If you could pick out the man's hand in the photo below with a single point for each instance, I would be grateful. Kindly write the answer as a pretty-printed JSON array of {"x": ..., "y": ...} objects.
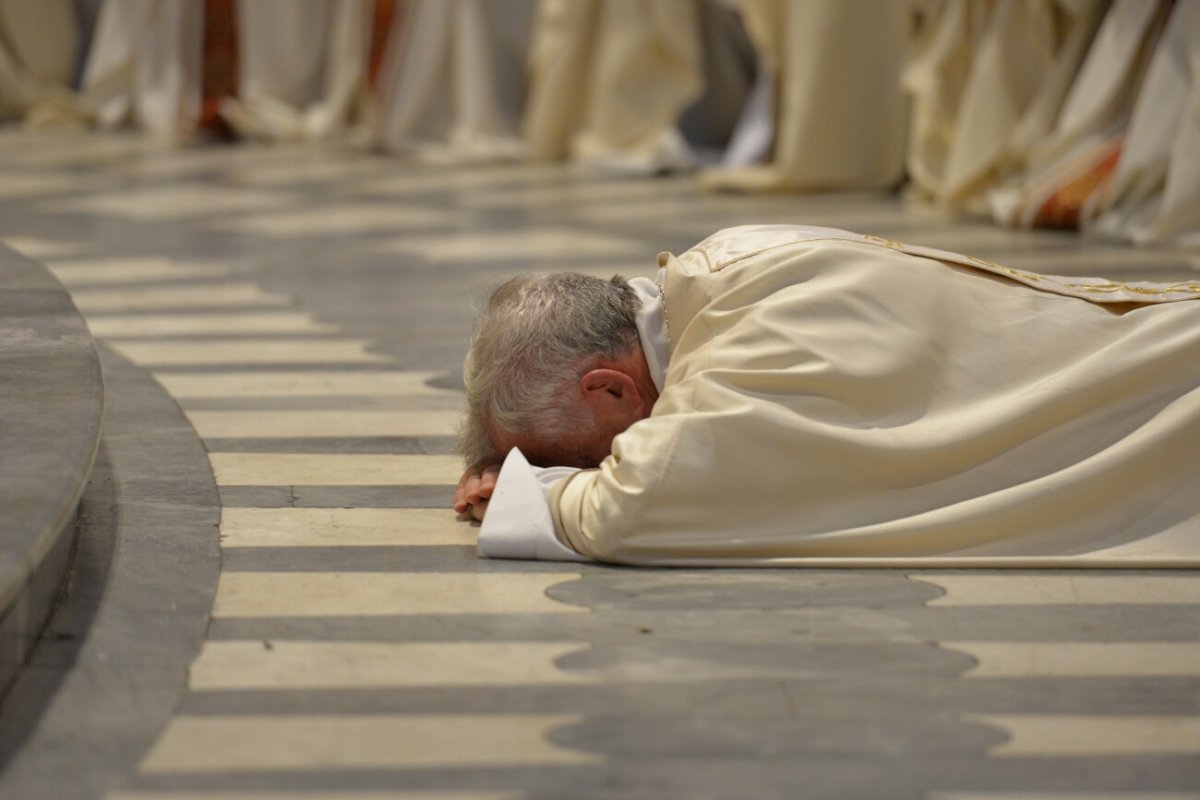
[{"x": 475, "y": 488}]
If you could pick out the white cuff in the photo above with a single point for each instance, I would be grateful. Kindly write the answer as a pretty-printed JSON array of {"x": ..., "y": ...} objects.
[{"x": 518, "y": 523}]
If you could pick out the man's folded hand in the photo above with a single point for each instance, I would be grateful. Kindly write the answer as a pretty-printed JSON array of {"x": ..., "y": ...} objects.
[{"x": 475, "y": 488}]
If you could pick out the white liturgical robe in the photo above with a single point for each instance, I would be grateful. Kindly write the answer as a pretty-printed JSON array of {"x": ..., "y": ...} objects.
[{"x": 836, "y": 399}]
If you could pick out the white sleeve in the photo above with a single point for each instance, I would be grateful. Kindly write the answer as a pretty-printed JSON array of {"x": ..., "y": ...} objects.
[{"x": 518, "y": 522}]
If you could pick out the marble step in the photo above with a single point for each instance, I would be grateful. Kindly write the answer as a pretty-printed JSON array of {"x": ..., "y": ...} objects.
[{"x": 51, "y": 408}]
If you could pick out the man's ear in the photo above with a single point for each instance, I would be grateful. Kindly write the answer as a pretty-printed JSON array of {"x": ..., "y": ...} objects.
[{"x": 603, "y": 387}]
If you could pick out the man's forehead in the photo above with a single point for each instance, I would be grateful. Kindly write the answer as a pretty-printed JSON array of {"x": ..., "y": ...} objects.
[
  {"x": 502, "y": 441},
  {"x": 536, "y": 452},
  {"x": 529, "y": 446}
]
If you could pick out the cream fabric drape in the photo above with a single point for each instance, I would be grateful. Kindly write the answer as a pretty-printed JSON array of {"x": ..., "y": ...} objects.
[
  {"x": 1155, "y": 192},
  {"x": 840, "y": 115},
  {"x": 609, "y": 80},
  {"x": 302, "y": 68},
  {"x": 453, "y": 80},
  {"x": 38, "y": 42},
  {"x": 144, "y": 66},
  {"x": 987, "y": 80},
  {"x": 848, "y": 400}
]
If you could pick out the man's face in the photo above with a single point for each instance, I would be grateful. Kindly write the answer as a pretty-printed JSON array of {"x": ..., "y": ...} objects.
[
  {"x": 611, "y": 397},
  {"x": 584, "y": 449}
]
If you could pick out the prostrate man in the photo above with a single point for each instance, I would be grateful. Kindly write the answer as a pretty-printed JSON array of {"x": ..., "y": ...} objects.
[{"x": 789, "y": 395}]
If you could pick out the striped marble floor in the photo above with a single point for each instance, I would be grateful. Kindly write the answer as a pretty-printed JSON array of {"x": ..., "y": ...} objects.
[
  {"x": 307, "y": 311},
  {"x": 261, "y": 357}
]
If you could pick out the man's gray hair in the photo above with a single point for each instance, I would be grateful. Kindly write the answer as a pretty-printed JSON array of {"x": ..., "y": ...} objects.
[{"x": 537, "y": 335}]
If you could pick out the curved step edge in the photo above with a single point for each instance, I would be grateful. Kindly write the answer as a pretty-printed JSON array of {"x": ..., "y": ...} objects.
[{"x": 51, "y": 411}]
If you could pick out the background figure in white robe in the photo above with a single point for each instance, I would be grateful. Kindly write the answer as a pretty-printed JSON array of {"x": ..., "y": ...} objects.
[
  {"x": 839, "y": 115},
  {"x": 987, "y": 80},
  {"x": 609, "y": 80},
  {"x": 302, "y": 68},
  {"x": 144, "y": 66},
  {"x": 38, "y": 45},
  {"x": 1155, "y": 191},
  {"x": 1076, "y": 160},
  {"x": 452, "y": 83}
]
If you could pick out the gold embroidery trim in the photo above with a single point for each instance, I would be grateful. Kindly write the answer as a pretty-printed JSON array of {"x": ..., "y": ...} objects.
[
  {"x": 1016, "y": 273},
  {"x": 662, "y": 294},
  {"x": 885, "y": 242},
  {"x": 1114, "y": 287}
]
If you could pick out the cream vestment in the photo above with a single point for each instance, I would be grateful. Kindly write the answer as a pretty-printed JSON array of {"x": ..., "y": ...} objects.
[{"x": 836, "y": 399}]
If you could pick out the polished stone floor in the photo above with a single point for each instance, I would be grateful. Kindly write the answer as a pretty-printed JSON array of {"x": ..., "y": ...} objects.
[{"x": 282, "y": 331}]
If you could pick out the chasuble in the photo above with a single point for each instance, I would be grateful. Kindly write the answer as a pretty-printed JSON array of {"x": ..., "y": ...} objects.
[{"x": 837, "y": 399}]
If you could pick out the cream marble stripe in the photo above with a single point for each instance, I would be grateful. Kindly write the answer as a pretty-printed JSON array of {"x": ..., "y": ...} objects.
[
  {"x": 239, "y": 424},
  {"x": 16, "y": 186},
  {"x": 193, "y": 295},
  {"x": 1049, "y": 736},
  {"x": 139, "y": 325},
  {"x": 507, "y": 245},
  {"x": 42, "y": 248},
  {"x": 194, "y": 352},
  {"x": 340, "y": 794},
  {"x": 45, "y": 149},
  {"x": 188, "y": 386},
  {"x": 1072, "y": 795},
  {"x": 877, "y": 222},
  {"x": 360, "y": 218},
  {"x": 382, "y": 741},
  {"x": 1080, "y": 659},
  {"x": 718, "y": 208},
  {"x": 583, "y": 192},
  {"x": 100, "y": 271},
  {"x": 338, "y": 469},
  {"x": 465, "y": 179},
  {"x": 370, "y": 594},
  {"x": 228, "y": 161},
  {"x": 342, "y": 527},
  {"x": 1059, "y": 589},
  {"x": 295, "y": 170},
  {"x": 175, "y": 202},
  {"x": 290, "y": 665}
]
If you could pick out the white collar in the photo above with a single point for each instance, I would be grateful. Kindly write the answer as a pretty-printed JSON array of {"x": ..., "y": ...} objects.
[{"x": 652, "y": 329}]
